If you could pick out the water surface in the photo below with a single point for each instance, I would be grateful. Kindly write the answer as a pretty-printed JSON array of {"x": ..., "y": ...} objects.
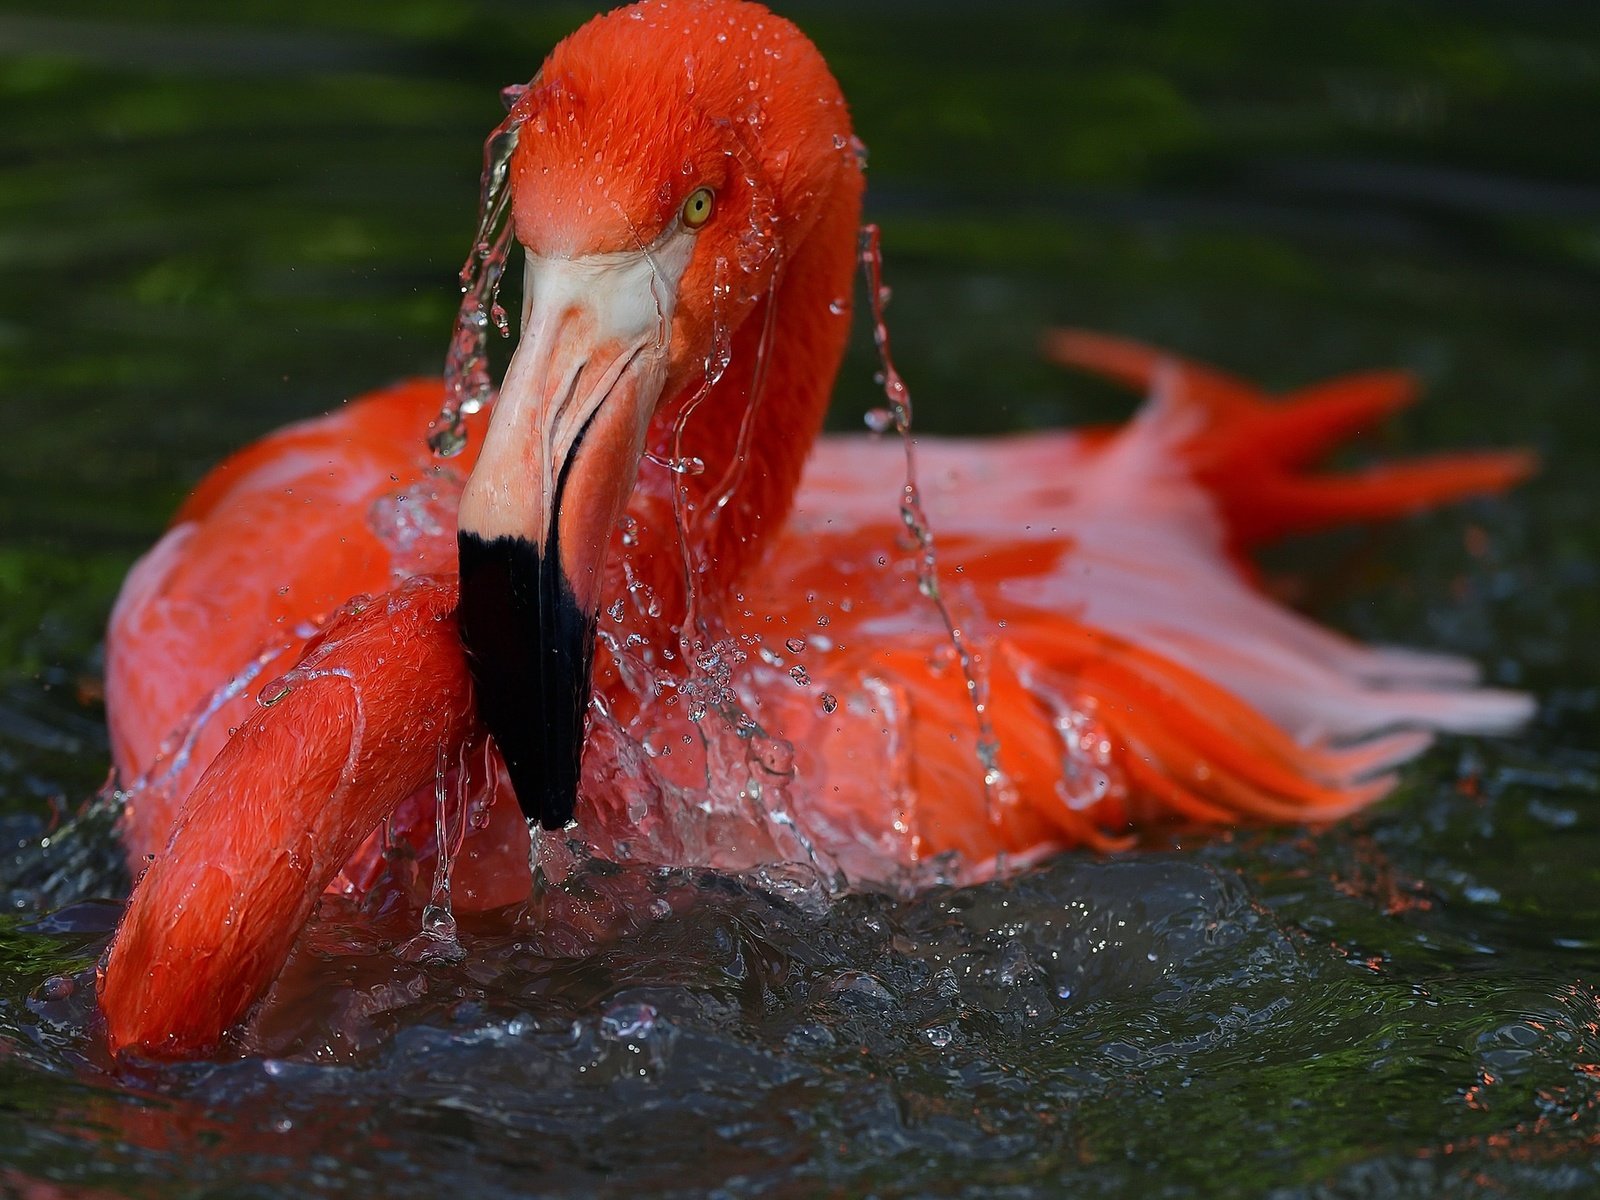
[{"x": 209, "y": 227}]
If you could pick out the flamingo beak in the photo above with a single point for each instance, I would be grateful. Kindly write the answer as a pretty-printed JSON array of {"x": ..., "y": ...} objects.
[{"x": 558, "y": 464}]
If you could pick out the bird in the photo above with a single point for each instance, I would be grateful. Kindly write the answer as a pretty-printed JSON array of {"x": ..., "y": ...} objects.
[{"x": 634, "y": 600}]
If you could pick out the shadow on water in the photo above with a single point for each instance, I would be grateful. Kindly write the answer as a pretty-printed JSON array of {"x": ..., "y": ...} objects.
[{"x": 209, "y": 228}]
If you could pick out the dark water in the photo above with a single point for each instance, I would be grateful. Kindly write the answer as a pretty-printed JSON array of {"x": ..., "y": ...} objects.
[{"x": 207, "y": 229}]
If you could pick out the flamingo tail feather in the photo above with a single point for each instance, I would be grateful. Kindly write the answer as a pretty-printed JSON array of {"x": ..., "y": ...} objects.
[{"x": 1257, "y": 455}]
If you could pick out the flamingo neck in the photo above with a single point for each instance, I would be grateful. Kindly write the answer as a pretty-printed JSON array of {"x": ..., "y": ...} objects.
[{"x": 755, "y": 427}]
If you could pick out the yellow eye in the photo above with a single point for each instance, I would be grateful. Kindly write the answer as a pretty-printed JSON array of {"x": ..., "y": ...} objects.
[{"x": 697, "y": 208}]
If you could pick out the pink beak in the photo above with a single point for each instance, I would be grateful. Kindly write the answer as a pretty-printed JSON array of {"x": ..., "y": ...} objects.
[{"x": 559, "y": 462}]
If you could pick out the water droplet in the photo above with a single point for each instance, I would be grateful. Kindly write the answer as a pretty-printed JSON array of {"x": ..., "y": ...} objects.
[
  {"x": 829, "y": 702},
  {"x": 626, "y": 1022},
  {"x": 879, "y": 420},
  {"x": 274, "y": 691},
  {"x": 939, "y": 1036},
  {"x": 688, "y": 465},
  {"x": 795, "y": 645},
  {"x": 798, "y": 674},
  {"x": 468, "y": 384},
  {"x": 1016, "y": 965}
]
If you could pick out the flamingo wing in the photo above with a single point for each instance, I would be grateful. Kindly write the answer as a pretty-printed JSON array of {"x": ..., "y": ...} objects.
[
  {"x": 1130, "y": 671},
  {"x": 273, "y": 541},
  {"x": 378, "y": 702}
]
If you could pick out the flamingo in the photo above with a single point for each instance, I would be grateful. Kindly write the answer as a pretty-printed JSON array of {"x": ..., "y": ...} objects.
[{"x": 647, "y": 604}]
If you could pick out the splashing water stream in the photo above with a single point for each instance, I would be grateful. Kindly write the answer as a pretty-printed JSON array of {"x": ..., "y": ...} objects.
[
  {"x": 916, "y": 521},
  {"x": 438, "y": 939},
  {"x": 468, "y": 384}
]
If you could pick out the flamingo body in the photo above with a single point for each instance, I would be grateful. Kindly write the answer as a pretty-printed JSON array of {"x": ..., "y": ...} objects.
[{"x": 291, "y": 705}]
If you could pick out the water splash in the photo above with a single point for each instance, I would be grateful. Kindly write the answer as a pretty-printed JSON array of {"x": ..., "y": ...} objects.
[
  {"x": 417, "y": 524},
  {"x": 734, "y": 746},
  {"x": 468, "y": 384},
  {"x": 438, "y": 941},
  {"x": 759, "y": 244},
  {"x": 915, "y": 519},
  {"x": 759, "y": 248}
]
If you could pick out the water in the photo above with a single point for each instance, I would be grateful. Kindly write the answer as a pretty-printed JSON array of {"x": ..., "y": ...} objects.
[
  {"x": 467, "y": 375},
  {"x": 912, "y": 514},
  {"x": 207, "y": 230}
]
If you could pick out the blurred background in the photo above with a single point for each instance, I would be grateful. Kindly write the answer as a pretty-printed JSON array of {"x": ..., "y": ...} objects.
[
  {"x": 209, "y": 226},
  {"x": 215, "y": 219}
]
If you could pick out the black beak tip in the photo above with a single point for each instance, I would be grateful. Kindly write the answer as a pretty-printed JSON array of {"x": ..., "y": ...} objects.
[{"x": 530, "y": 648}]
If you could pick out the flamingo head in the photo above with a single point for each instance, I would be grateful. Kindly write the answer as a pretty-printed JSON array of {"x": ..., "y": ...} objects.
[{"x": 670, "y": 157}]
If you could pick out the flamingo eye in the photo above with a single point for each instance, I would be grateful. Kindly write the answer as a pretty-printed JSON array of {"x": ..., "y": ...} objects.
[{"x": 697, "y": 208}]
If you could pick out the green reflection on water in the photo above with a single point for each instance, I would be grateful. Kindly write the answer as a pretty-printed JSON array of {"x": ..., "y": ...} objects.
[{"x": 210, "y": 226}]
